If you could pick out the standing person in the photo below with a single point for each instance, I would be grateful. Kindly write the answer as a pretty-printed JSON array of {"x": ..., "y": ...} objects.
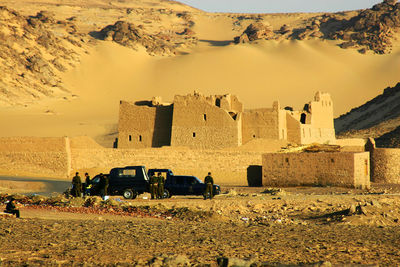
[
  {"x": 161, "y": 182},
  {"x": 76, "y": 185},
  {"x": 154, "y": 186},
  {"x": 209, "y": 182},
  {"x": 87, "y": 184},
  {"x": 103, "y": 185},
  {"x": 11, "y": 208}
]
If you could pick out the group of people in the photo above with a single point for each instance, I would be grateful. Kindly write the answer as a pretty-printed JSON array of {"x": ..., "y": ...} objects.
[
  {"x": 157, "y": 182},
  {"x": 80, "y": 189},
  {"x": 157, "y": 186}
]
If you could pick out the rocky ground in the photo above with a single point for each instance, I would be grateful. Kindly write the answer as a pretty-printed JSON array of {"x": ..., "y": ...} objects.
[{"x": 243, "y": 226}]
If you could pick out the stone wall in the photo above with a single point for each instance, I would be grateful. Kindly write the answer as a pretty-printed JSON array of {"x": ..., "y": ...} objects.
[
  {"x": 264, "y": 123},
  {"x": 348, "y": 169},
  {"x": 199, "y": 122},
  {"x": 144, "y": 125},
  {"x": 385, "y": 167},
  {"x": 314, "y": 124},
  {"x": 227, "y": 167},
  {"x": 34, "y": 156}
]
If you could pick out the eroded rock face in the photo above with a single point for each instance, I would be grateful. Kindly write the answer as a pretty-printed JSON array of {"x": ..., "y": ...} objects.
[
  {"x": 130, "y": 35},
  {"x": 255, "y": 31},
  {"x": 372, "y": 28},
  {"x": 32, "y": 55}
]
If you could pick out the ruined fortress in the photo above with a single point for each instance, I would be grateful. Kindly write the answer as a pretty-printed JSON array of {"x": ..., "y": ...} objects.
[
  {"x": 162, "y": 135},
  {"x": 220, "y": 121}
]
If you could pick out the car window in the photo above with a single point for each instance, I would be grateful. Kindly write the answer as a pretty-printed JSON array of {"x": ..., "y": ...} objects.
[{"x": 192, "y": 180}]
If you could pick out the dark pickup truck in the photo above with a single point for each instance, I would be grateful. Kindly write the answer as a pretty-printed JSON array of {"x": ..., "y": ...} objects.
[
  {"x": 129, "y": 182},
  {"x": 182, "y": 184}
]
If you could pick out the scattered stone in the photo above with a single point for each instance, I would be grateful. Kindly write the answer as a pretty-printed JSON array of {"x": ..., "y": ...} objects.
[{"x": 229, "y": 262}]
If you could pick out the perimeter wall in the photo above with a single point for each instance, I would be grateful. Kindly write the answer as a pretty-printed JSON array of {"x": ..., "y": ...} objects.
[
  {"x": 35, "y": 156},
  {"x": 227, "y": 167}
]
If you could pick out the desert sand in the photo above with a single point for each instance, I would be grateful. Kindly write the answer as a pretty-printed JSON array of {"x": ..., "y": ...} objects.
[{"x": 258, "y": 73}]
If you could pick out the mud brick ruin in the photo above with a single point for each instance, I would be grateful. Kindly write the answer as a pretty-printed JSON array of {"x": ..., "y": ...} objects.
[
  {"x": 346, "y": 169},
  {"x": 220, "y": 121}
]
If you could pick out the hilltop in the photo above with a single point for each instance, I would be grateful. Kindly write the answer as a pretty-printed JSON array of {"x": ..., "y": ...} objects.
[
  {"x": 378, "y": 118},
  {"x": 67, "y": 64}
]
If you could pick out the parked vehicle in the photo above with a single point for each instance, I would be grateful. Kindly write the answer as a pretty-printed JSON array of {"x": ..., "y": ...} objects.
[
  {"x": 129, "y": 182},
  {"x": 182, "y": 184}
]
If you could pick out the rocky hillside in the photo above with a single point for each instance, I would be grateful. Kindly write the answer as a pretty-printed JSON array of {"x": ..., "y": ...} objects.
[
  {"x": 34, "y": 50},
  {"x": 378, "y": 118},
  {"x": 162, "y": 43},
  {"x": 371, "y": 29}
]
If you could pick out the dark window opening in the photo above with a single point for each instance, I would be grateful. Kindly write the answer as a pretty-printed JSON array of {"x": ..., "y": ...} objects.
[
  {"x": 205, "y": 117},
  {"x": 287, "y": 160},
  {"x": 194, "y": 134},
  {"x": 140, "y": 138},
  {"x": 333, "y": 160},
  {"x": 233, "y": 115},
  {"x": 218, "y": 102},
  {"x": 130, "y": 138},
  {"x": 303, "y": 118},
  {"x": 254, "y": 136}
]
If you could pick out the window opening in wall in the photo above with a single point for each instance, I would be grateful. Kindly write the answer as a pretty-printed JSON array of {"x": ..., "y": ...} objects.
[
  {"x": 205, "y": 117},
  {"x": 218, "y": 102},
  {"x": 130, "y": 138},
  {"x": 333, "y": 160},
  {"x": 140, "y": 138},
  {"x": 303, "y": 118},
  {"x": 254, "y": 136},
  {"x": 194, "y": 134},
  {"x": 287, "y": 160}
]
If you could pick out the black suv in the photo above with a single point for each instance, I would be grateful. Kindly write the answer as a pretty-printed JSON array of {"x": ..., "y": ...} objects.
[
  {"x": 129, "y": 182},
  {"x": 182, "y": 184}
]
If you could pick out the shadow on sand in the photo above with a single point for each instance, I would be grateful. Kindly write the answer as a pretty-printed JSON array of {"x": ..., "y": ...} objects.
[{"x": 52, "y": 185}]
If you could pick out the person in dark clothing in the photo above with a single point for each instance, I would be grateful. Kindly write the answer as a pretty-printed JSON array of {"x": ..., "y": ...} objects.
[
  {"x": 154, "y": 186},
  {"x": 76, "y": 185},
  {"x": 11, "y": 208},
  {"x": 87, "y": 184},
  {"x": 209, "y": 182},
  {"x": 161, "y": 182},
  {"x": 103, "y": 185}
]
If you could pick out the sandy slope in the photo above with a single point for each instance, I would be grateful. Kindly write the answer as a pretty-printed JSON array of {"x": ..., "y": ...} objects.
[{"x": 289, "y": 71}]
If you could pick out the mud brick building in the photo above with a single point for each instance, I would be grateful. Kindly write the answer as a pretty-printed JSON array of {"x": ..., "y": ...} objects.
[
  {"x": 220, "y": 121},
  {"x": 345, "y": 169}
]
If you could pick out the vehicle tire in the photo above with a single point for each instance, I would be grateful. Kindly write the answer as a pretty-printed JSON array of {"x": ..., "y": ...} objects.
[
  {"x": 166, "y": 194},
  {"x": 129, "y": 194}
]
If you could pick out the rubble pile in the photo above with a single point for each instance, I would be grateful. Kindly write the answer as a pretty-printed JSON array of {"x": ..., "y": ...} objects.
[{"x": 33, "y": 52}]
